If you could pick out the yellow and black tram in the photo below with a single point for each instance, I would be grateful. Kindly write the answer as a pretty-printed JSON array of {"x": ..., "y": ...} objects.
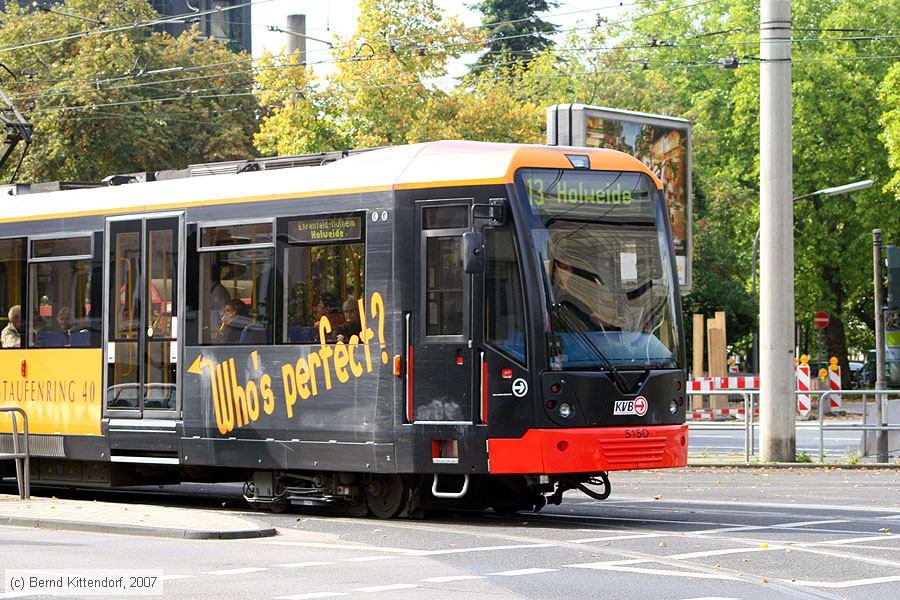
[{"x": 454, "y": 322}]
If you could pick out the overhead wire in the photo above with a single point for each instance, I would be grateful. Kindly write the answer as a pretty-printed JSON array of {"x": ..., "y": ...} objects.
[{"x": 54, "y": 92}]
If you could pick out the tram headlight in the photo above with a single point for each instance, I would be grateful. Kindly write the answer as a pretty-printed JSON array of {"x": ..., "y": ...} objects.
[
  {"x": 673, "y": 407},
  {"x": 565, "y": 410}
]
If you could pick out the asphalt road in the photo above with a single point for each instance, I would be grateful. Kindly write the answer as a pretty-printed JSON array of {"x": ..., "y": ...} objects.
[{"x": 674, "y": 535}]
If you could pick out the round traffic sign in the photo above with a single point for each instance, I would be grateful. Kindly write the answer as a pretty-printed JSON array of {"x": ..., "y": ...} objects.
[
  {"x": 821, "y": 319},
  {"x": 640, "y": 406}
]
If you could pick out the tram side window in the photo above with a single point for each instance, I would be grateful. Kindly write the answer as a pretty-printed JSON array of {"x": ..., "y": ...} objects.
[
  {"x": 442, "y": 228},
  {"x": 60, "y": 283},
  {"x": 237, "y": 284},
  {"x": 503, "y": 298},
  {"x": 324, "y": 276},
  {"x": 12, "y": 267}
]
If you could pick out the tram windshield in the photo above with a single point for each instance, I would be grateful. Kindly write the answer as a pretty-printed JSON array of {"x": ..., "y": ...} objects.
[{"x": 601, "y": 240}]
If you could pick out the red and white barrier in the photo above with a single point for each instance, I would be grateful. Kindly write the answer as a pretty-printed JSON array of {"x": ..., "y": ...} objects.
[
  {"x": 834, "y": 384},
  {"x": 803, "y": 384},
  {"x": 710, "y": 384}
]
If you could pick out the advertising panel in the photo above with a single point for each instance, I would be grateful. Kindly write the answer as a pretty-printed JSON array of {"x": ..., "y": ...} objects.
[{"x": 662, "y": 143}]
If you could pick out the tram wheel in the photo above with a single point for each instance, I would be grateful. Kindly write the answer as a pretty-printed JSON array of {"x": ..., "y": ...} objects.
[{"x": 385, "y": 495}]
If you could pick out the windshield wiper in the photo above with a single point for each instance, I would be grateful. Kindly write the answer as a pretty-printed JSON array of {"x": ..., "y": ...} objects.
[{"x": 577, "y": 329}]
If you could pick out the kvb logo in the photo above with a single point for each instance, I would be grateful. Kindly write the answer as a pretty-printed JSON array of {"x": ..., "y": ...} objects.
[{"x": 638, "y": 407}]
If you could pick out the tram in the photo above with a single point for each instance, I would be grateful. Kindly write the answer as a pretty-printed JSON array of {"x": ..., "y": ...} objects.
[{"x": 457, "y": 323}]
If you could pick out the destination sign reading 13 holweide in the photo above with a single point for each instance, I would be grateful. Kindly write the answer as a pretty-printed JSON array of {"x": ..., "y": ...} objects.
[{"x": 326, "y": 230}]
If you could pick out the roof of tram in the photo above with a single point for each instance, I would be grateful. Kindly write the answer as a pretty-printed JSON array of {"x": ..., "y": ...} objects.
[{"x": 427, "y": 165}]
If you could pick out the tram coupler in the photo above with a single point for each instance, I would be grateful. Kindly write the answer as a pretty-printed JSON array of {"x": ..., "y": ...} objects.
[{"x": 581, "y": 484}]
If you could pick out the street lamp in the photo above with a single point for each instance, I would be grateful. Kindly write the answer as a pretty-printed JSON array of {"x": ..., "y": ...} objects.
[{"x": 826, "y": 193}]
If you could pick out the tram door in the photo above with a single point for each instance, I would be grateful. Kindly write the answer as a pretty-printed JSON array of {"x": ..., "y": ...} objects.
[
  {"x": 143, "y": 298},
  {"x": 442, "y": 338}
]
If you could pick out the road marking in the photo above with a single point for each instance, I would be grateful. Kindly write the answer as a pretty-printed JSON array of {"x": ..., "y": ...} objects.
[
  {"x": 712, "y": 598},
  {"x": 518, "y": 572},
  {"x": 611, "y": 538},
  {"x": 830, "y": 508},
  {"x": 174, "y": 577},
  {"x": 483, "y": 549},
  {"x": 890, "y": 517},
  {"x": 388, "y": 588},
  {"x": 300, "y": 565},
  {"x": 608, "y": 566},
  {"x": 808, "y": 523},
  {"x": 870, "y": 538},
  {"x": 312, "y": 595},
  {"x": 451, "y": 578},
  {"x": 243, "y": 571},
  {"x": 410, "y": 551},
  {"x": 345, "y": 547},
  {"x": 19, "y": 594},
  {"x": 368, "y": 558},
  {"x": 846, "y": 584}
]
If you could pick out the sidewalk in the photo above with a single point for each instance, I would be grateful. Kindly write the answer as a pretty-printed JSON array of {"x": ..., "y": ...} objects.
[{"x": 127, "y": 519}]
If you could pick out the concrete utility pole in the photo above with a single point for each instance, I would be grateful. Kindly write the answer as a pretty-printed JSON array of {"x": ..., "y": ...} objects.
[
  {"x": 778, "y": 405},
  {"x": 296, "y": 25},
  {"x": 881, "y": 437}
]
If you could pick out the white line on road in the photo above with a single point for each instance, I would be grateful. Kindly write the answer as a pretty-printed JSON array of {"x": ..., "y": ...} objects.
[
  {"x": 387, "y": 588},
  {"x": 174, "y": 577},
  {"x": 617, "y": 567},
  {"x": 344, "y": 547},
  {"x": 483, "y": 549},
  {"x": 712, "y": 598},
  {"x": 846, "y": 584},
  {"x": 368, "y": 558},
  {"x": 518, "y": 572},
  {"x": 300, "y": 565},
  {"x": 612, "y": 538},
  {"x": 243, "y": 571},
  {"x": 312, "y": 596},
  {"x": 452, "y": 578}
]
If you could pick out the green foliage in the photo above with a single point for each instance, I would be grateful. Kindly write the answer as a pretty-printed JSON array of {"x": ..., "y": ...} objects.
[
  {"x": 515, "y": 31},
  {"x": 803, "y": 457},
  {"x": 383, "y": 92},
  {"x": 105, "y": 103},
  {"x": 890, "y": 120}
]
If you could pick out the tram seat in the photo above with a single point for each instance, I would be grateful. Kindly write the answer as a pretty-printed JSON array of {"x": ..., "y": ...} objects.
[
  {"x": 159, "y": 395},
  {"x": 298, "y": 335},
  {"x": 253, "y": 334},
  {"x": 124, "y": 395},
  {"x": 80, "y": 339},
  {"x": 50, "y": 339}
]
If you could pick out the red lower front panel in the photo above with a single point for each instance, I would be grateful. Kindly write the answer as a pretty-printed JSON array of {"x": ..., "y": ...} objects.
[{"x": 590, "y": 450}]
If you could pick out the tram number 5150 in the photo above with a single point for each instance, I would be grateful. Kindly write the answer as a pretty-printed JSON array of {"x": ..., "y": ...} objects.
[{"x": 636, "y": 433}]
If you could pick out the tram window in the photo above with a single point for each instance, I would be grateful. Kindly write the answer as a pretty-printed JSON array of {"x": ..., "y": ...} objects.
[
  {"x": 446, "y": 217},
  {"x": 236, "y": 235},
  {"x": 61, "y": 247},
  {"x": 12, "y": 268},
  {"x": 323, "y": 279},
  {"x": 444, "y": 286},
  {"x": 60, "y": 308},
  {"x": 503, "y": 297},
  {"x": 236, "y": 296}
]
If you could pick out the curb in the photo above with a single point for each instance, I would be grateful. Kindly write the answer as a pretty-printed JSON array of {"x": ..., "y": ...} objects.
[
  {"x": 813, "y": 465},
  {"x": 168, "y": 532}
]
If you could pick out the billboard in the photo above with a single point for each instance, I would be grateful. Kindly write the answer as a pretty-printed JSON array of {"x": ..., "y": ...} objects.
[{"x": 660, "y": 142}]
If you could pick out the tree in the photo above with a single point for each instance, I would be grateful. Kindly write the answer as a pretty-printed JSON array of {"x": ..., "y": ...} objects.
[
  {"x": 890, "y": 120},
  {"x": 515, "y": 31},
  {"x": 386, "y": 90},
  {"x": 121, "y": 98}
]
